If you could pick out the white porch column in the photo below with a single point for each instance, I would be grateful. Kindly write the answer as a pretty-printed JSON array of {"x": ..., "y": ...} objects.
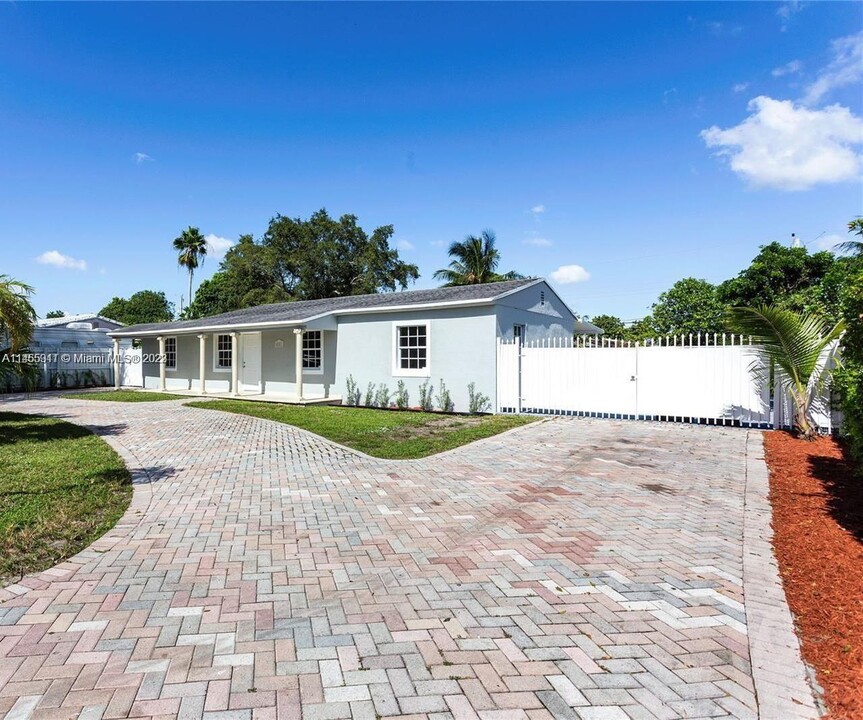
[
  {"x": 117, "y": 363},
  {"x": 298, "y": 360},
  {"x": 163, "y": 363},
  {"x": 202, "y": 362},
  {"x": 235, "y": 361}
]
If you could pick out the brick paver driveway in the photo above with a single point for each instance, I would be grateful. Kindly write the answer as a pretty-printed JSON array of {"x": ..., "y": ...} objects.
[{"x": 570, "y": 569}]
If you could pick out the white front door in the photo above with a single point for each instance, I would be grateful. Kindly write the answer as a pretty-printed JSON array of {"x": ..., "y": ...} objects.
[{"x": 250, "y": 359}]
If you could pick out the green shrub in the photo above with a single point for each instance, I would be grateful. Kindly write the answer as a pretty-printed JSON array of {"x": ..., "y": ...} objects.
[
  {"x": 402, "y": 397},
  {"x": 849, "y": 380},
  {"x": 426, "y": 392},
  {"x": 353, "y": 394},
  {"x": 477, "y": 402},
  {"x": 444, "y": 401},
  {"x": 382, "y": 397},
  {"x": 369, "y": 399}
]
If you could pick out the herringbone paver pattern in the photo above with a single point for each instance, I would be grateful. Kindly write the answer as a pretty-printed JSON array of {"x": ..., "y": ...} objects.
[{"x": 572, "y": 569}]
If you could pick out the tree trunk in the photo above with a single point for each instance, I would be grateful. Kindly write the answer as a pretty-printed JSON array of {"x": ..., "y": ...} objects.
[{"x": 802, "y": 420}]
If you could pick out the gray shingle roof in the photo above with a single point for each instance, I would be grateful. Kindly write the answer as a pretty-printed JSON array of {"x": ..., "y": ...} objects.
[{"x": 304, "y": 310}]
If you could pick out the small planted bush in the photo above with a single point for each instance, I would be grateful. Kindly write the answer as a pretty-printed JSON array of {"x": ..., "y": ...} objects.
[
  {"x": 354, "y": 393},
  {"x": 382, "y": 397},
  {"x": 369, "y": 399},
  {"x": 426, "y": 391},
  {"x": 477, "y": 402},
  {"x": 444, "y": 400},
  {"x": 402, "y": 397}
]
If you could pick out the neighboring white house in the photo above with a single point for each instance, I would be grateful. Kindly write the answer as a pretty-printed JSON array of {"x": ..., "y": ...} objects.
[
  {"x": 447, "y": 334},
  {"x": 86, "y": 321}
]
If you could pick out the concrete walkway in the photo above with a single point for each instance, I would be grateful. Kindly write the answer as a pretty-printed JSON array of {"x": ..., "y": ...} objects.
[{"x": 569, "y": 569}]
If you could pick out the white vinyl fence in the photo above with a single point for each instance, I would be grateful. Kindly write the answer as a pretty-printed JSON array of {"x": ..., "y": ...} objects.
[{"x": 696, "y": 379}]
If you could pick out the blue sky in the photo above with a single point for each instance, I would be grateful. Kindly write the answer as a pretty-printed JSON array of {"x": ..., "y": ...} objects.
[{"x": 612, "y": 147}]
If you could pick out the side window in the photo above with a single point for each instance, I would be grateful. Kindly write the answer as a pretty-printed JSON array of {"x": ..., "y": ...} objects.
[{"x": 411, "y": 350}]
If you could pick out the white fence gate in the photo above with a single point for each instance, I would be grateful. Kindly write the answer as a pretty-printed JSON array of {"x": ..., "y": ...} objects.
[
  {"x": 131, "y": 369},
  {"x": 683, "y": 379}
]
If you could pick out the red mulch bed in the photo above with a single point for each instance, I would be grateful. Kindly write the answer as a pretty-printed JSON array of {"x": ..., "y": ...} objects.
[{"x": 818, "y": 537}]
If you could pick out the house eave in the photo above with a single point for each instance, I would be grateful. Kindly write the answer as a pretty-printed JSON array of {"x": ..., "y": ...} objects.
[{"x": 168, "y": 330}]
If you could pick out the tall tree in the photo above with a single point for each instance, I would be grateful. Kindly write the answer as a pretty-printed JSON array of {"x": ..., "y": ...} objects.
[
  {"x": 475, "y": 261},
  {"x": 55, "y": 314},
  {"x": 192, "y": 249},
  {"x": 300, "y": 259},
  {"x": 778, "y": 275},
  {"x": 612, "y": 326},
  {"x": 792, "y": 343},
  {"x": 146, "y": 306},
  {"x": 323, "y": 257},
  {"x": 17, "y": 316},
  {"x": 689, "y": 306}
]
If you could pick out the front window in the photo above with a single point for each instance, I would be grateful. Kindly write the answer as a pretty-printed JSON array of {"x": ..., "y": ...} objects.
[
  {"x": 171, "y": 353},
  {"x": 312, "y": 350},
  {"x": 224, "y": 351},
  {"x": 412, "y": 347}
]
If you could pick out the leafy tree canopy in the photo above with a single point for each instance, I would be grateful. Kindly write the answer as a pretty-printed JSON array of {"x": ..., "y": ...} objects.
[
  {"x": 612, "y": 326},
  {"x": 146, "y": 306},
  {"x": 300, "y": 259},
  {"x": 689, "y": 306},
  {"x": 55, "y": 314},
  {"x": 778, "y": 275}
]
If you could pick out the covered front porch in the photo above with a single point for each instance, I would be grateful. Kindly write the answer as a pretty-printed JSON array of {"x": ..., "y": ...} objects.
[{"x": 287, "y": 364}]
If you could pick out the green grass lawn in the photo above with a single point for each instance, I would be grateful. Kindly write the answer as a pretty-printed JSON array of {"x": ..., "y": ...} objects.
[
  {"x": 123, "y": 396},
  {"x": 382, "y": 433},
  {"x": 61, "y": 487}
]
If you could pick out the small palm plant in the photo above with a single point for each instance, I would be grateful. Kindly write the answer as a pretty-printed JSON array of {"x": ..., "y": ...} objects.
[{"x": 793, "y": 344}]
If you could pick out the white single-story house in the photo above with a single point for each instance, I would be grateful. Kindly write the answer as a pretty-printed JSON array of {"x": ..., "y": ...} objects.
[
  {"x": 305, "y": 351},
  {"x": 85, "y": 321}
]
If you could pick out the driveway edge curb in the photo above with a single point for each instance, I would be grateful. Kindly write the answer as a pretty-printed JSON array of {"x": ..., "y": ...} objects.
[{"x": 781, "y": 680}]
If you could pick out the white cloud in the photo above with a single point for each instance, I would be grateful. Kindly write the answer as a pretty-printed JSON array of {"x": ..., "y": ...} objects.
[
  {"x": 791, "y": 147},
  {"x": 789, "y": 68},
  {"x": 405, "y": 245},
  {"x": 437, "y": 243},
  {"x": 537, "y": 242},
  {"x": 217, "y": 246},
  {"x": 740, "y": 87},
  {"x": 669, "y": 95},
  {"x": 538, "y": 209},
  {"x": 787, "y": 10},
  {"x": 140, "y": 158},
  {"x": 845, "y": 68},
  {"x": 569, "y": 274},
  {"x": 57, "y": 259}
]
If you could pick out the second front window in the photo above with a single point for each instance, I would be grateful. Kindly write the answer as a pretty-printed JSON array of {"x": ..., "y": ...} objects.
[{"x": 313, "y": 347}]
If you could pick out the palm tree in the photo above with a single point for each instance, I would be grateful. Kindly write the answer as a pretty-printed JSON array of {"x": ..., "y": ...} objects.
[
  {"x": 17, "y": 316},
  {"x": 192, "y": 247},
  {"x": 475, "y": 261},
  {"x": 855, "y": 247},
  {"x": 793, "y": 344},
  {"x": 17, "y": 320}
]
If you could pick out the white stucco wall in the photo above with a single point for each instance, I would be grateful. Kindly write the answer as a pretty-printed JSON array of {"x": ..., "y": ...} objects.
[{"x": 461, "y": 350}]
